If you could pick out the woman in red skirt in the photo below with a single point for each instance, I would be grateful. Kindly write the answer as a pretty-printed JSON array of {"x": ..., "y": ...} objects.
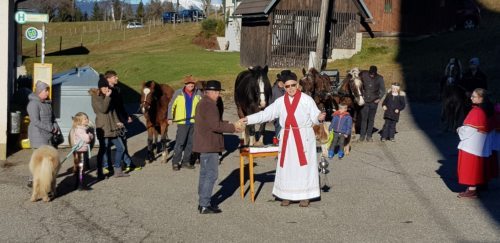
[{"x": 473, "y": 148}]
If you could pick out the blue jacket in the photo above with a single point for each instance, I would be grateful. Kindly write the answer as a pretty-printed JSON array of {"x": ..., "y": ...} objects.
[{"x": 341, "y": 123}]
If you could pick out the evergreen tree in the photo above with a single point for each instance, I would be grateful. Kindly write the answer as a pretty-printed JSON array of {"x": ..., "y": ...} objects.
[
  {"x": 117, "y": 6},
  {"x": 140, "y": 10},
  {"x": 97, "y": 13},
  {"x": 78, "y": 15}
]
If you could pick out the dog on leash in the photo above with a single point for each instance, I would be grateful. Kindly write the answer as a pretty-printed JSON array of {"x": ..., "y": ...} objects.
[{"x": 44, "y": 165}]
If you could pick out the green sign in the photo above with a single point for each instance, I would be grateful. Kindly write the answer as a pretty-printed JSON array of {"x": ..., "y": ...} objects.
[
  {"x": 33, "y": 34},
  {"x": 23, "y": 17},
  {"x": 20, "y": 17}
]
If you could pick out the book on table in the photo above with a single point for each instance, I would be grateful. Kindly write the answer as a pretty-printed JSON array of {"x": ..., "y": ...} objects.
[{"x": 265, "y": 149}]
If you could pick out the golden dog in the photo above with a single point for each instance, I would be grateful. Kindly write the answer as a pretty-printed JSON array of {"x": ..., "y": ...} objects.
[{"x": 44, "y": 165}]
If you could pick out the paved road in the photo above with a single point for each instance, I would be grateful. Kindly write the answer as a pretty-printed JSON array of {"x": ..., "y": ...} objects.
[{"x": 383, "y": 192}]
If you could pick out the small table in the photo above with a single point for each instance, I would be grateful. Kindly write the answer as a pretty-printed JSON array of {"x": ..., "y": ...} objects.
[{"x": 246, "y": 152}]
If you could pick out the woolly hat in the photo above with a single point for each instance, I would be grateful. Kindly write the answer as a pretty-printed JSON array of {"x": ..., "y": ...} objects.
[
  {"x": 189, "y": 79},
  {"x": 286, "y": 75},
  {"x": 40, "y": 86},
  {"x": 474, "y": 61},
  {"x": 102, "y": 83},
  {"x": 373, "y": 70}
]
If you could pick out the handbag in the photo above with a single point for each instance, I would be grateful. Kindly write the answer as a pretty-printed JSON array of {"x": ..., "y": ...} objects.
[{"x": 57, "y": 138}]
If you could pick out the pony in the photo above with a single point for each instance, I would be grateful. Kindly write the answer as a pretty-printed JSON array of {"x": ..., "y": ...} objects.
[
  {"x": 319, "y": 87},
  {"x": 453, "y": 97},
  {"x": 44, "y": 165},
  {"x": 154, "y": 105},
  {"x": 252, "y": 91}
]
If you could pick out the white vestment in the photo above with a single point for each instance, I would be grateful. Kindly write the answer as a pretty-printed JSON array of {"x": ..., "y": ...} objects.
[
  {"x": 474, "y": 142},
  {"x": 292, "y": 181}
]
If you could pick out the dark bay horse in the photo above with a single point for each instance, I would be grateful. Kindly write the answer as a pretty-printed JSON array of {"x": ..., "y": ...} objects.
[
  {"x": 319, "y": 87},
  {"x": 154, "y": 104},
  {"x": 252, "y": 91},
  {"x": 453, "y": 97}
]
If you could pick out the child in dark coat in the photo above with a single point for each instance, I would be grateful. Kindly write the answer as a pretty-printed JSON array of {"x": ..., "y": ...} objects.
[
  {"x": 393, "y": 104},
  {"x": 341, "y": 126}
]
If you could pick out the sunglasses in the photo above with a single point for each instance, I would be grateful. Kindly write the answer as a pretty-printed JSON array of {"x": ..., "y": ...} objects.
[{"x": 290, "y": 85}]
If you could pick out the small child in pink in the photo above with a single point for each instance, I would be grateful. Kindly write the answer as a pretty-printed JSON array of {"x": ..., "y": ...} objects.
[{"x": 80, "y": 139}]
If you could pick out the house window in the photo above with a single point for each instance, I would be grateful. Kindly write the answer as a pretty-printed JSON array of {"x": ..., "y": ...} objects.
[{"x": 388, "y": 6}]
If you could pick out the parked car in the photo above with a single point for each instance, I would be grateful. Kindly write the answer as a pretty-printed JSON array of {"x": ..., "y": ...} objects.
[
  {"x": 134, "y": 25},
  {"x": 468, "y": 14}
]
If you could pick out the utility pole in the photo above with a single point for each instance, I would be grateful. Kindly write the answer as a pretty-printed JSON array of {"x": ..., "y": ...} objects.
[{"x": 320, "y": 44}]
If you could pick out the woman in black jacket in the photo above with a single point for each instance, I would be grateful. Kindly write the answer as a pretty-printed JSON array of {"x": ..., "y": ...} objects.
[{"x": 393, "y": 104}]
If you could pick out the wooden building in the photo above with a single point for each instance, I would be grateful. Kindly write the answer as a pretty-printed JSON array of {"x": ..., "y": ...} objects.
[
  {"x": 394, "y": 17},
  {"x": 282, "y": 33}
]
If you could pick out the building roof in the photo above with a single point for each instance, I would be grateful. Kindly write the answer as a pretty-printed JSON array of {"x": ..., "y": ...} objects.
[
  {"x": 364, "y": 11},
  {"x": 255, "y": 7},
  {"x": 259, "y": 8}
]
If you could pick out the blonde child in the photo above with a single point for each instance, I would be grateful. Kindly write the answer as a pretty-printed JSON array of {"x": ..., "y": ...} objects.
[{"x": 80, "y": 139}]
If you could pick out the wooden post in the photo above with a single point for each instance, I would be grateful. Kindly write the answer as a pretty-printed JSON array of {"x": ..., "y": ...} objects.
[
  {"x": 320, "y": 44},
  {"x": 60, "y": 43},
  {"x": 98, "y": 36}
]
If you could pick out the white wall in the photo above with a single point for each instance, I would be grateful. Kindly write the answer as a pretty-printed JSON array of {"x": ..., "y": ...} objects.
[
  {"x": 5, "y": 71},
  {"x": 233, "y": 29}
]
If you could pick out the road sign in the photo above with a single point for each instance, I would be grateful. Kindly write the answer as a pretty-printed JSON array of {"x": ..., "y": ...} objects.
[
  {"x": 33, "y": 33},
  {"x": 23, "y": 17}
]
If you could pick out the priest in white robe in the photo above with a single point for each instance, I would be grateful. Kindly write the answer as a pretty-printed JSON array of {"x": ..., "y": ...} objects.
[{"x": 297, "y": 176}]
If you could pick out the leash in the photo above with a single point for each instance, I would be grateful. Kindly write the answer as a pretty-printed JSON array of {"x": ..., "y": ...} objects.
[{"x": 75, "y": 148}]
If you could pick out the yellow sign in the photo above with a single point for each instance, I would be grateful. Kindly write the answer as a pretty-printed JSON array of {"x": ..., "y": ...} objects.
[{"x": 43, "y": 72}]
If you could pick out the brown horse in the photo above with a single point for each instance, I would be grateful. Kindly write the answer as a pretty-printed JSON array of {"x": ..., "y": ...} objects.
[
  {"x": 350, "y": 93},
  {"x": 319, "y": 87},
  {"x": 154, "y": 104}
]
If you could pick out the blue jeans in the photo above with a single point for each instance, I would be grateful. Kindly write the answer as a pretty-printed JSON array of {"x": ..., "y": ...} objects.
[
  {"x": 209, "y": 171},
  {"x": 120, "y": 149}
]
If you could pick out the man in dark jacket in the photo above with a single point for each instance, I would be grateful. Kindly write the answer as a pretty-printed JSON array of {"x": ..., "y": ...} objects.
[
  {"x": 117, "y": 105},
  {"x": 209, "y": 141},
  {"x": 374, "y": 90}
]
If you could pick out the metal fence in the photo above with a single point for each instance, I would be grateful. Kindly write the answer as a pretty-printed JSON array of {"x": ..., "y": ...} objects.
[{"x": 293, "y": 35}]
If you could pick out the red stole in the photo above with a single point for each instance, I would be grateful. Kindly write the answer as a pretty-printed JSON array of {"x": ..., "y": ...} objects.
[{"x": 291, "y": 123}]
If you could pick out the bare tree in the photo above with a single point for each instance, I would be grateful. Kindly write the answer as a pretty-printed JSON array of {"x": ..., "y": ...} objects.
[
  {"x": 206, "y": 6},
  {"x": 154, "y": 10}
]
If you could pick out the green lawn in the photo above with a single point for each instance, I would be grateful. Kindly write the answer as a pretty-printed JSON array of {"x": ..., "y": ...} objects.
[{"x": 165, "y": 55}]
